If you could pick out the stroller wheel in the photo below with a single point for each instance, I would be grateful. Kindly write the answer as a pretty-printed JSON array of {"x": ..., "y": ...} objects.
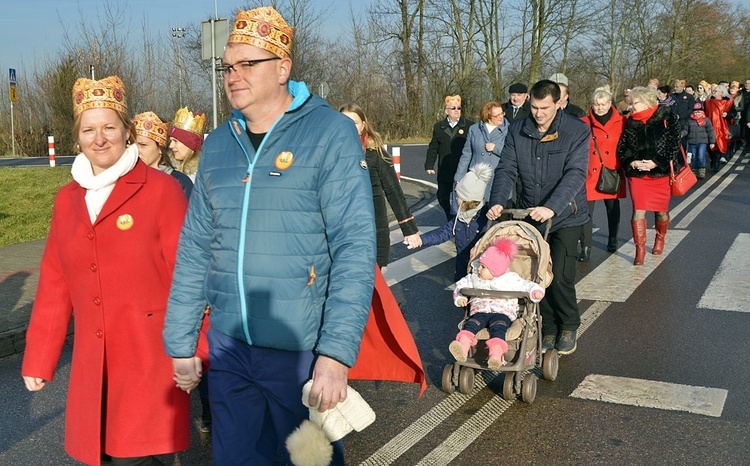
[
  {"x": 466, "y": 380},
  {"x": 509, "y": 392},
  {"x": 528, "y": 388},
  {"x": 550, "y": 365},
  {"x": 448, "y": 386}
]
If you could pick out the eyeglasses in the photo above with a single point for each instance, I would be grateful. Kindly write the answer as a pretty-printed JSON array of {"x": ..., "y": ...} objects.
[
  {"x": 243, "y": 66},
  {"x": 496, "y": 115},
  {"x": 453, "y": 108}
]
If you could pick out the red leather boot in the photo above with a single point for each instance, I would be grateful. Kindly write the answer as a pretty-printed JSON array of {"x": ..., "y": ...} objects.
[
  {"x": 661, "y": 232},
  {"x": 639, "y": 238}
]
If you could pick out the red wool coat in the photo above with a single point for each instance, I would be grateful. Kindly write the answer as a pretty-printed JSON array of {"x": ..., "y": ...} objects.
[
  {"x": 116, "y": 274},
  {"x": 607, "y": 136}
]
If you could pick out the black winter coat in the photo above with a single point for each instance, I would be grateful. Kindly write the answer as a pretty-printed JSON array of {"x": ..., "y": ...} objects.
[
  {"x": 521, "y": 113},
  {"x": 446, "y": 146},
  {"x": 385, "y": 186},
  {"x": 658, "y": 139}
]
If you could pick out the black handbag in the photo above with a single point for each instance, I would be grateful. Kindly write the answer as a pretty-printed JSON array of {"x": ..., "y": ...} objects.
[{"x": 609, "y": 179}]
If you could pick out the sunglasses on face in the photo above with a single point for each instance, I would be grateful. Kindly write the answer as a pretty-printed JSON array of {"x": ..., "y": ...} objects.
[{"x": 453, "y": 108}]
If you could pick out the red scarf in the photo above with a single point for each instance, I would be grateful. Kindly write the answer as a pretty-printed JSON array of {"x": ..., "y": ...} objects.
[
  {"x": 365, "y": 138},
  {"x": 699, "y": 116},
  {"x": 644, "y": 115}
]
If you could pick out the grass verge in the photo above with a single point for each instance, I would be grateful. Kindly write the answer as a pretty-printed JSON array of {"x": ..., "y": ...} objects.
[{"x": 26, "y": 198}]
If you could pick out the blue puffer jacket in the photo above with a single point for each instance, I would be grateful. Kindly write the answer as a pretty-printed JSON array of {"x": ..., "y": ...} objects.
[
  {"x": 552, "y": 168},
  {"x": 279, "y": 242}
]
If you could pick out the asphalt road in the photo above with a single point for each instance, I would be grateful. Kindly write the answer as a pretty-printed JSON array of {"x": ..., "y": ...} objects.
[{"x": 671, "y": 334}]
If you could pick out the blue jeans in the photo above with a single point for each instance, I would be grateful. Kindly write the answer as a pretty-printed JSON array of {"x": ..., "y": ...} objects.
[{"x": 699, "y": 152}]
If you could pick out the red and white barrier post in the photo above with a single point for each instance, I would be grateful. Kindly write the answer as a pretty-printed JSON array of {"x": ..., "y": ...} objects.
[
  {"x": 51, "y": 149},
  {"x": 396, "y": 156}
]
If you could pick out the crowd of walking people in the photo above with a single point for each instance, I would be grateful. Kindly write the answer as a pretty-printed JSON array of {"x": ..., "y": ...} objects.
[{"x": 221, "y": 281}]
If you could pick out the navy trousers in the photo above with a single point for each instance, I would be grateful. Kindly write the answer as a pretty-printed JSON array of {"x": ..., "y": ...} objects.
[{"x": 256, "y": 400}]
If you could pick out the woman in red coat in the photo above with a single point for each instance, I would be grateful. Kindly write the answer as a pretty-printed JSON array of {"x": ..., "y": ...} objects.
[
  {"x": 109, "y": 255},
  {"x": 606, "y": 125},
  {"x": 718, "y": 108}
]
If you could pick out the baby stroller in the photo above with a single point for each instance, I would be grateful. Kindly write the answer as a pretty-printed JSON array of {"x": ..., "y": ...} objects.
[{"x": 524, "y": 337}]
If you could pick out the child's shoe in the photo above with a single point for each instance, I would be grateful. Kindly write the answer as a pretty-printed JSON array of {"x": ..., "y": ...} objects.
[
  {"x": 459, "y": 348},
  {"x": 497, "y": 347}
]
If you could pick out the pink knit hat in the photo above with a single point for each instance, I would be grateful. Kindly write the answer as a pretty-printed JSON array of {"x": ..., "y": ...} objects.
[{"x": 498, "y": 256}]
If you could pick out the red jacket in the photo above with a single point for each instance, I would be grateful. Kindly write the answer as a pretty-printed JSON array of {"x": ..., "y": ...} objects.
[
  {"x": 116, "y": 275},
  {"x": 607, "y": 136},
  {"x": 715, "y": 108}
]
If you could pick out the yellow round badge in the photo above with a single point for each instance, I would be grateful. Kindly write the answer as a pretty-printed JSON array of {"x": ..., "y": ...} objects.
[
  {"x": 284, "y": 160},
  {"x": 125, "y": 222}
]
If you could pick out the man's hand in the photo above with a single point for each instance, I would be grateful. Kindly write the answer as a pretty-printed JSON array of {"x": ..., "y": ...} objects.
[
  {"x": 329, "y": 383},
  {"x": 494, "y": 212},
  {"x": 34, "y": 384},
  {"x": 430, "y": 172},
  {"x": 187, "y": 372},
  {"x": 541, "y": 214}
]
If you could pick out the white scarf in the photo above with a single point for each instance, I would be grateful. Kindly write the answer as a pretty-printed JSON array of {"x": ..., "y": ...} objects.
[{"x": 99, "y": 187}]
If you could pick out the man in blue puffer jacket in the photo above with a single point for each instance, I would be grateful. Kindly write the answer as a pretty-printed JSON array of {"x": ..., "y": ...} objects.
[
  {"x": 279, "y": 240},
  {"x": 548, "y": 153}
]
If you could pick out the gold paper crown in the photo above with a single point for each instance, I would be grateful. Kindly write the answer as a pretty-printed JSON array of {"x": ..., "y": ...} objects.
[
  {"x": 453, "y": 100},
  {"x": 185, "y": 119},
  {"x": 105, "y": 93},
  {"x": 263, "y": 27},
  {"x": 148, "y": 124}
]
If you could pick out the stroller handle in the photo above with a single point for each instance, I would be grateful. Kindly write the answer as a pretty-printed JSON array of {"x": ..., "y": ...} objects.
[
  {"x": 520, "y": 214},
  {"x": 479, "y": 293}
]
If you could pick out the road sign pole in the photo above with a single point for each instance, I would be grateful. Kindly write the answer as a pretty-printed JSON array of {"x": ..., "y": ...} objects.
[{"x": 12, "y": 131}]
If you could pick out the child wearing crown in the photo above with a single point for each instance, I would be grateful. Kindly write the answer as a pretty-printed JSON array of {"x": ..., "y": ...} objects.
[
  {"x": 186, "y": 140},
  {"x": 495, "y": 314}
]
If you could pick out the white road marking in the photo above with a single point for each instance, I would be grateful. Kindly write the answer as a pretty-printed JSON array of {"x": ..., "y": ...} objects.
[
  {"x": 399, "y": 444},
  {"x": 698, "y": 193},
  {"x": 705, "y": 201},
  {"x": 729, "y": 289},
  {"x": 419, "y": 262},
  {"x": 617, "y": 278},
  {"x": 652, "y": 394},
  {"x": 397, "y": 237},
  {"x": 739, "y": 168}
]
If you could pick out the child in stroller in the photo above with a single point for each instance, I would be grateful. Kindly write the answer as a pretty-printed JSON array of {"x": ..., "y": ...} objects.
[
  {"x": 524, "y": 357},
  {"x": 495, "y": 314}
]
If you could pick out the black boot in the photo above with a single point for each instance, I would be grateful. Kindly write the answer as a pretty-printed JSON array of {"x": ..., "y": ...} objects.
[
  {"x": 612, "y": 244},
  {"x": 585, "y": 254},
  {"x": 205, "y": 415}
]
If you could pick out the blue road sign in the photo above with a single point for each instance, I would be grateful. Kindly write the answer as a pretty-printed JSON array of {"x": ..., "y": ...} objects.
[{"x": 12, "y": 76}]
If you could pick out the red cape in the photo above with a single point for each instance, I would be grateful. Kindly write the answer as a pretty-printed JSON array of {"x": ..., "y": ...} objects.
[
  {"x": 714, "y": 109},
  {"x": 387, "y": 351}
]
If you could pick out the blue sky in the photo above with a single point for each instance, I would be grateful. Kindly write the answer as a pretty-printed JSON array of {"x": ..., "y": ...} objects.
[{"x": 31, "y": 30}]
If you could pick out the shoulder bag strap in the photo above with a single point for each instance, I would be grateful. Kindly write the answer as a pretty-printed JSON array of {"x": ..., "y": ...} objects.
[{"x": 593, "y": 138}]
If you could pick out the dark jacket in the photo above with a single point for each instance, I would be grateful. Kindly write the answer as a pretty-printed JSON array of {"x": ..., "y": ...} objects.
[
  {"x": 700, "y": 134},
  {"x": 658, "y": 139},
  {"x": 574, "y": 110},
  {"x": 551, "y": 167},
  {"x": 683, "y": 106},
  {"x": 385, "y": 185},
  {"x": 445, "y": 147},
  {"x": 521, "y": 113}
]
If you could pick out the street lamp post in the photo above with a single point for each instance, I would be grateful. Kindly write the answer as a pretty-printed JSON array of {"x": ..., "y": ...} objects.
[{"x": 179, "y": 33}]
